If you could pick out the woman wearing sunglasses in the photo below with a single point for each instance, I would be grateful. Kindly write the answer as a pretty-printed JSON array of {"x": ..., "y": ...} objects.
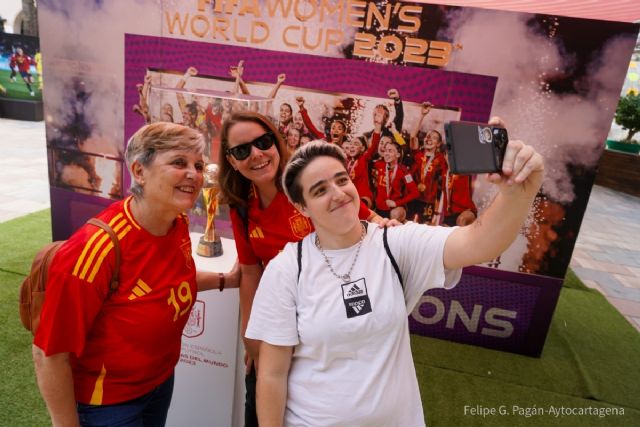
[{"x": 252, "y": 158}]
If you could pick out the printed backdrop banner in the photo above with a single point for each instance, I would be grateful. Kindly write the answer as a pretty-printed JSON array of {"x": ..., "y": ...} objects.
[{"x": 328, "y": 69}]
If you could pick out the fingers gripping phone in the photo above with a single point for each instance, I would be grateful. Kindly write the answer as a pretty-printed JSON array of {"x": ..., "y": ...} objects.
[{"x": 475, "y": 147}]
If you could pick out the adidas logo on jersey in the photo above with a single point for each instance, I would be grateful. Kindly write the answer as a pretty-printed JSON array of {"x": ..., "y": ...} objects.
[
  {"x": 139, "y": 290},
  {"x": 358, "y": 306},
  {"x": 355, "y": 298},
  {"x": 256, "y": 233},
  {"x": 355, "y": 291}
]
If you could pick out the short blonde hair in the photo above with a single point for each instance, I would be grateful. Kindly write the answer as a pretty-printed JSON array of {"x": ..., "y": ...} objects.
[{"x": 156, "y": 138}]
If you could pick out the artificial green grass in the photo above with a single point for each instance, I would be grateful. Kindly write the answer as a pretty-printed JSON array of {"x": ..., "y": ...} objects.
[
  {"x": 588, "y": 361},
  {"x": 21, "y": 238},
  {"x": 449, "y": 397},
  {"x": 19, "y": 397},
  {"x": 572, "y": 281}
]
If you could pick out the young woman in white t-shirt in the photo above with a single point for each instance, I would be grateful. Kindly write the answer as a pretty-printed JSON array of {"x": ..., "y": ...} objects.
[{"x": 331, "y": 312}]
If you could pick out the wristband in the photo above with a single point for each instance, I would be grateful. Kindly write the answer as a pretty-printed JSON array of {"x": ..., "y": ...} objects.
[{"x": 220, "y": 282}]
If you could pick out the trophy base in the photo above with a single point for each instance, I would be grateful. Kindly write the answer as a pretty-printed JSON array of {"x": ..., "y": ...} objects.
[{"x": 209, "y": 249}]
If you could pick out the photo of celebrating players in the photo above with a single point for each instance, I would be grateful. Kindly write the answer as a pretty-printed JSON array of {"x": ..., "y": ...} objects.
[{"x": 395, "y": 148}]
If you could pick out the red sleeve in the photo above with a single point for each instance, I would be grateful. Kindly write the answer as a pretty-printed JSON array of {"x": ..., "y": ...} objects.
[
  {"x": 373, "y": 148},
  {"x": 461, "y": 195},
  {"x": 12, "y": 61},
  {"x": 246, "y": 255},
  {"x": 418, "y": 158},
  {"x": 361, "y": 180},
  {"x": 411, "y": 189},
  {"x": 307, "y": 122},
  {"x": 364, "y": 212}
]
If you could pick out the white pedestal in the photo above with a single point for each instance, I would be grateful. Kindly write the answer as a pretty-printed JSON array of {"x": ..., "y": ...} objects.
[{"x": 206, "y": 374}]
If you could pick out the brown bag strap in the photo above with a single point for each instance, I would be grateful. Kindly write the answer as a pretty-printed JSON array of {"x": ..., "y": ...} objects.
[{"x": 114, "y": 238}]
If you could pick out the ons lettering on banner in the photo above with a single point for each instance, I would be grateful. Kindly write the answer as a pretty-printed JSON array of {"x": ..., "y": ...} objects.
[{"x": 495, "y": 318}]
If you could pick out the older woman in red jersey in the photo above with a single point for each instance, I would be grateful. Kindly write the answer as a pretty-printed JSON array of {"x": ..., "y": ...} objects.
[{"x": 107, "y": 358}]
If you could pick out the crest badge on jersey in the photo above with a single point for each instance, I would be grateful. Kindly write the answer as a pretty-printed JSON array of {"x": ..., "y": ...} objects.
[
  {"x": 300, "y": 225},
  {"x": 195, "y": 324},
  {"x": 186, "y": 251}
]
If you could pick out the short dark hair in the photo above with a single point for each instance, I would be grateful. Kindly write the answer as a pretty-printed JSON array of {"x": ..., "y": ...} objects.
[
  {"x": 300, "y": 160},
  {"x": 396, "y": 144},
  {"x": 288, "y": 106}
]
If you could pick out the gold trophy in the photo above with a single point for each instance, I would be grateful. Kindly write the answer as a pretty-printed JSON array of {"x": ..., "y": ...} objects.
[{"x": 210, "y": 244}]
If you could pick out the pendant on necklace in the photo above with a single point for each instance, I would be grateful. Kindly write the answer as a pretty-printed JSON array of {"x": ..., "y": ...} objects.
[{"x": 346, "y": 278}]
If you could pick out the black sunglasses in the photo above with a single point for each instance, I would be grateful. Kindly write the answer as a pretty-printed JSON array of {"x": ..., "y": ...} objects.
[{"x": 263, "y": 142}]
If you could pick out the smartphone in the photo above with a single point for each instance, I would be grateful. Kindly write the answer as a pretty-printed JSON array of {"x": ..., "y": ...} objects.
[{"x": 474, "y": 148}]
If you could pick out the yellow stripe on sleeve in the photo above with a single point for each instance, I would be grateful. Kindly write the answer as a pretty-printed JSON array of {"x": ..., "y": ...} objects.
[
  {"x": 103, "y": 254},
  {"x": 85, "y": 250},
  {"x": 93, "y": 253},
  {"x": 124, "y": 232},
  {"x": 115, "y": 219},
  {"x": 98, "y": 263},
  {"x": 95, "y": 235}
]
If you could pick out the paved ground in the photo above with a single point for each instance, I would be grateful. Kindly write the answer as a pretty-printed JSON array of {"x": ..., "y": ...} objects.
[
  {"x": 24, "y": 181},
  {"x": 606, "y": 256},
  {"x": 607, "y": 252}
]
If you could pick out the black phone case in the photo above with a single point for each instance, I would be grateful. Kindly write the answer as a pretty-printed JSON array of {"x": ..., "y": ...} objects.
[{"x": 467, "y": 154}]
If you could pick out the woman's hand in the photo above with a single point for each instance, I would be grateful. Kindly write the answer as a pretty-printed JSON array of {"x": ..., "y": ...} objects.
[
  {"x": 385, "y": 222},
  {"x": 232, "y": 278},
  {"x": 465, "y": 218},
  {"x": 522, "y": 167}
]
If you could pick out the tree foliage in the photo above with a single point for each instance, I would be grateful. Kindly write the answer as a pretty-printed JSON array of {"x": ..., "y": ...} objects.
[{"x": 628, "y": 114}]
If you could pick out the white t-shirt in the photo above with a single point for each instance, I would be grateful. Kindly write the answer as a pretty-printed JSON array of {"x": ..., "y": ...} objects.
[{"x": 352, "y": 363}]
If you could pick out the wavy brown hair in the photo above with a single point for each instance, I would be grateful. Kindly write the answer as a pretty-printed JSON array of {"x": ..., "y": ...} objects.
[{"x": 234, "y": 187}]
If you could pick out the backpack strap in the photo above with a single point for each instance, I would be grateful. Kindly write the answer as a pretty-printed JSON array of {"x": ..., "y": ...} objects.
[
  {"x": 386, "y": 248},
  {"x": 299, "y": 258},
  {"x": 115, "y": 281},
  {"x": 390, "y": 255}
]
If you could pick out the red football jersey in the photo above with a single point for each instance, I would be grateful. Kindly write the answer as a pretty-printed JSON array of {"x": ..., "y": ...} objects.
[
  {"x": 309, "y": 125},
  {"x": 359, "y": 173},
  {"x": 427, "y": 173},
  {"x": 395, "y": 183},
  {"x": 125, "y": 344},
  {"x": 271, "y": 228},
  {"x": 458, "y": 196},
  {"x": 23, "y": 62}
]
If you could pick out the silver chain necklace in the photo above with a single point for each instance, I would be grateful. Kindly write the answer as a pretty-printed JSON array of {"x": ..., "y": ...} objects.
[{"x": 346, "y": 278}]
